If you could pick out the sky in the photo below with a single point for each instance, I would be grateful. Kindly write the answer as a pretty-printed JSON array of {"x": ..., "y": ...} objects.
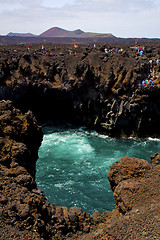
[{"x": 122, "y": 18}]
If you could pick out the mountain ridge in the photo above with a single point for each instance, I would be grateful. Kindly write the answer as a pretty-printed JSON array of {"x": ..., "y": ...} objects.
[
  {"x": 60, "y": 32},
  {"x": 56, "y": 35},
  {"x": 11, "y": 34}
]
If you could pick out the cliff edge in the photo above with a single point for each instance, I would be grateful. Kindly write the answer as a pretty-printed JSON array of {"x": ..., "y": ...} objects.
[{"x": 99, "y": 87}]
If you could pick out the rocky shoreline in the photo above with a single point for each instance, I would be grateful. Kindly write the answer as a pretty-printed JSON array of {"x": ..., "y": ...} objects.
[{"x": 88, "y": 86}]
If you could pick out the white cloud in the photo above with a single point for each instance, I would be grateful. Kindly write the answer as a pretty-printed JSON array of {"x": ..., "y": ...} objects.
[
  {"x": 55, "y": 3},
  {"x": 125, "y": 18},
  {"x": 117, "y": 5}
]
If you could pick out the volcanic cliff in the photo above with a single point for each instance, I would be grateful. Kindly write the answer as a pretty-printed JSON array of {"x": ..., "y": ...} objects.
[
  {"x": 100, "y": 87},
  {"x": 85, "y": 85}
]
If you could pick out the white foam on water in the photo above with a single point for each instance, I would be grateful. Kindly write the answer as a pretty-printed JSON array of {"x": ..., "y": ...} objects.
[
  {"x": 154, "y": 139},
  {"x": 59, "y": 185},
  {"x": 69, "y": 143}
]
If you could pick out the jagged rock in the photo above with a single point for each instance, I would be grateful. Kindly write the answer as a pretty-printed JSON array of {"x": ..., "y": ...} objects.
[
  {"x": 34, "y": 81},
  {"x": 125, "y": 169},
  {"x": 82, "y": 87},
  {"x": 155, "y": 159}
]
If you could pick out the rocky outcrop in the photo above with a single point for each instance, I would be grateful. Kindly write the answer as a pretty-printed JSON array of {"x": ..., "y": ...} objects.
[
  {"x": 25, "y": 213},
  {"x": 20, "y": 137},
  {"x": 137, "y": 197},
  {"x": 85, "y": 85},
  {"x": 127, "y": 168},
  {"x": 136, "y": 190}
]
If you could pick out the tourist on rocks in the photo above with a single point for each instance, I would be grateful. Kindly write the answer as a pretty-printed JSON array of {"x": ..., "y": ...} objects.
[
  {"x": 157, "y": 61},
  {"x": 150, "y": 82},
  {"x": 141, "y": 52},
  {"x": 136, "y": 44},
  {"x": 152, "y": 67},
  {"x": 143, "y": 82}
]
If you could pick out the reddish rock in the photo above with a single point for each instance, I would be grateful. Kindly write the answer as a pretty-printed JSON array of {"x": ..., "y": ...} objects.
[
  {"x": 155, "y": 159},
  {"x": 127, "y": 168}
]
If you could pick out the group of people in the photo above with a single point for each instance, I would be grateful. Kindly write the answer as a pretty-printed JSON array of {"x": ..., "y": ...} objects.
[
  {"x": 147, "y": 82},
  {"x": 117, "y": 50},
  {"x": 151, "y": 71},
  {"x": 140, "y": 50},
  {"x": 152, "y": 65}
]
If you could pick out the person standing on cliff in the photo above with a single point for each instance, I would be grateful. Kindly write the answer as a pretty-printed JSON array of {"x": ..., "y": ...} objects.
[
  {"x": 150, "y": 62},
  {"x": 152, "y": 67}
]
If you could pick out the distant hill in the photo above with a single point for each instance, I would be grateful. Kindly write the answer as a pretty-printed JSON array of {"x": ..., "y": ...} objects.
[
  {"x": 97, "y": 35},
  {"x": 58, "y": 35},
  {"x": 11, "y": 34},
  {"x": 59, "y": 32}
]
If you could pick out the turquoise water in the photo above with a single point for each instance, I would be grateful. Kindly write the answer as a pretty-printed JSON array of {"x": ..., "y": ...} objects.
[{"x": 73, "y": 165}]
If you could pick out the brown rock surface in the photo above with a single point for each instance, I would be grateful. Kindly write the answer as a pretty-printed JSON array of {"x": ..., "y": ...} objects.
[
  {"x": 85, "y": 85},
  {"x": 127, "y": 168}
]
